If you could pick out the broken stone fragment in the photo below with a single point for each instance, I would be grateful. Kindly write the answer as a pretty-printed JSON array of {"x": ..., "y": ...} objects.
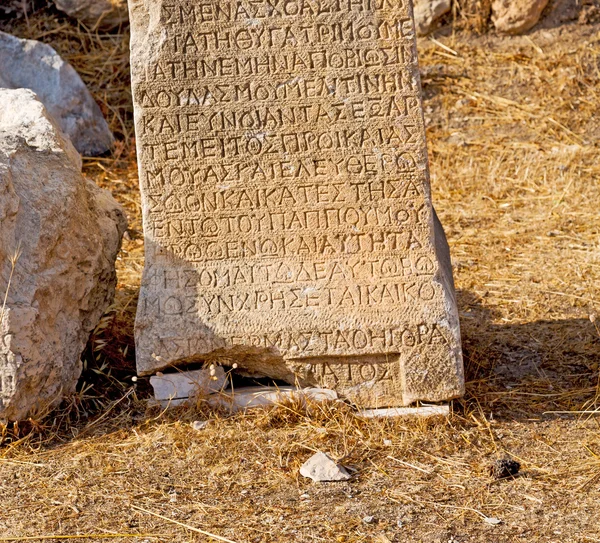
[
  {"x": 320, "y": 467},
  {"x": 422, "y": 411},
  {"x": 30, "y": 64},
  {"x": 263, "y": 396},
  {"x": 516, "y": 16},
  {"x": 96, "y": 14},
  {"x": 427, "y": 13},
  {"x": 199, "y": 425},
  {"x": 182, "y": 385},
  {"x": 62, "y": 233}
]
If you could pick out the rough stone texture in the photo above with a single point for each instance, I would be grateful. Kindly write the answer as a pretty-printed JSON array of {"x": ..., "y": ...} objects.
[
  {"x": 286, "y": 202},
  {"x": 516, "y": 16},
  {"x": 185, "y": 384},
  {"x": 320, "y": 467},
  {"x": 244, "y": 398},
  {"x": 427, "y": 13},
  {"x": 421, "y": 411},
  {"x": 96, "y": 14},
  {"x": 69, "y": 232},
  {"x": 34, "y": 65}
]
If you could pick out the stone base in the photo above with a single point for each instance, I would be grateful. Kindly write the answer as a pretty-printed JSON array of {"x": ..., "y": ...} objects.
[{"x": 176, "y": 389}]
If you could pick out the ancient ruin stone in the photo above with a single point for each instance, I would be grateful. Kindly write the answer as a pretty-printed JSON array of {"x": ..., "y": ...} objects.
[
  {"x": 62, "y": 233},
  {"x": 516, "y": 16},
  {"x": 286, "y": 202},
  {"x": 30, "y": 64}
]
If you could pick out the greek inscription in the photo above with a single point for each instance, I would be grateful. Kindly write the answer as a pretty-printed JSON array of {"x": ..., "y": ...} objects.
[{"x": 286, "y": 205}]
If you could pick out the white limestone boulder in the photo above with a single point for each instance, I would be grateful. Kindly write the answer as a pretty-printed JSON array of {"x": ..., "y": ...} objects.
[
  {"x": 96, "y": 14},
  {"x": 63, "y": 233},
  {"x": 34, "y": 65}
]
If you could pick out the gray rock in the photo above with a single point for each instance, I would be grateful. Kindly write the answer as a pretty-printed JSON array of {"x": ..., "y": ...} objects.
[
  {"x": 427, "y": 13},
  {"x": 96, "y": 14},
  {"x": 66, "y": 233},
  {"x": 34, "y": 65},
  {"x": 320, "y": 467}
]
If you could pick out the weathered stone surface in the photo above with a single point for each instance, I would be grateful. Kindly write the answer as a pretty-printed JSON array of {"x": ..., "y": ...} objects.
[
  {"x": 34, "y": 65},
  {"x": 421, "y": 411},
  {"x": 286, "y": 201},
  {"x": 516, "y": 16},
  {"x": 263, "y": 396},
  {"x": 427, "y": 13},
  {"x": 96, "y": 14},
  {"x": 320, "y": 467},
  {"x": 184, "y": 385},
  {"x": 68, "y": 232}
]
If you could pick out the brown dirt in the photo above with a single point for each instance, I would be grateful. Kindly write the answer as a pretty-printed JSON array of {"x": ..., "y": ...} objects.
[{"x": 514, "y": 142}]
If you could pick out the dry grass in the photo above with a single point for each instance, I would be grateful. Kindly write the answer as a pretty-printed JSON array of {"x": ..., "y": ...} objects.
[{"x": 513, "y": 136}]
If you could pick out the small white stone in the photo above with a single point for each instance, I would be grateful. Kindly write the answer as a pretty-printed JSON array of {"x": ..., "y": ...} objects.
[
  {"x": 370, "y": 519},
  {"x": 199, "y": 425},
  {"x": 321, "y": 467}
]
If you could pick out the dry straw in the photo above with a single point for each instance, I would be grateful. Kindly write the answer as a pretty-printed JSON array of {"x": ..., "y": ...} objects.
[
  {"x": 13, "y": 259},
  {"x": 512, "y": 127},
  {"x": 82, "y": 536}
]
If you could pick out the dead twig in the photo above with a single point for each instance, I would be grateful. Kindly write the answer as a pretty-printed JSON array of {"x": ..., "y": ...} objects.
[{"x": 187, "y": 526}]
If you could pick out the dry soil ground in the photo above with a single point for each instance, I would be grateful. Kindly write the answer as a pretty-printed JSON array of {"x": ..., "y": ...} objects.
[{"x": 514, "y": 140}]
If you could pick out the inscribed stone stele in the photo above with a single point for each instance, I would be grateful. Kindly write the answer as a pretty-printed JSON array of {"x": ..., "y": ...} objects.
[{"x": 286, "y": 203}]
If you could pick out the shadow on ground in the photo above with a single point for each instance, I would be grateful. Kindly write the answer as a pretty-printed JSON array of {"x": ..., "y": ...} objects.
[{"x": 528, "y": 369}]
